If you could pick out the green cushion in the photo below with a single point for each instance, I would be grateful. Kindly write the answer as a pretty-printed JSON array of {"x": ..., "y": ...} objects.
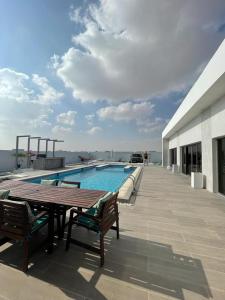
[
  {"x": 49, "y": 182},
  {"x": 39, "y": 223},
  {"x": 68, "y": 185},
  {"x": 4, "y": 194},
  {"x": 100, "y": 204},
  {"x": 87, "y": 222}
]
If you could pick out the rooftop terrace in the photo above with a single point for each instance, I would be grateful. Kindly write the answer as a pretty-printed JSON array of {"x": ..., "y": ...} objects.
[{"x": 172, "y": 246}]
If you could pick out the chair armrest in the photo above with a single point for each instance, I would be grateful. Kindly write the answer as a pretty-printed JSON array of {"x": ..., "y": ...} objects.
[
  {"x": 72, "y": 182},
  {"x": 80, "y": 213},
  {"x": 41, "y": 214}
]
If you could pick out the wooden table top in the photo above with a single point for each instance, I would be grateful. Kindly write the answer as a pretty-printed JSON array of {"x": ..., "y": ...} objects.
[{"x": 52, "y": 194}]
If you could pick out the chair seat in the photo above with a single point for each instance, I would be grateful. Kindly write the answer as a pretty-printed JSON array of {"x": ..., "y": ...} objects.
[
  {"x": 39, "y": 223},
  {"x": 87, "y": 222}
]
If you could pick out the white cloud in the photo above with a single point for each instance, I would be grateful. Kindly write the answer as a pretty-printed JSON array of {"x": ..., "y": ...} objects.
[
  {"x": 54, "y": 62},
  {"x": 19, "y": 87},
  {"x": 26, "y": 104},
  {"x": 94, "y": 130},
  {"x": 154, "y": 126},
  {"x": 67, "y": 118},
  {"x": 14, "y": 86},
  {"x": 136, "y": 49},
  {"x": 127, "y": 111},
  {"x": 61, "y": 129},
  {"x": 48, "y": 93},
  {"x": 75, "y": 14},
  {"x": 140, "y": 113},
  {"x": 40, "y": 121},
  {"x": 90, "y": 119}
]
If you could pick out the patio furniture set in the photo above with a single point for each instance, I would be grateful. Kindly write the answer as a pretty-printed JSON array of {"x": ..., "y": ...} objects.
[{"x": 25, "y": 208}]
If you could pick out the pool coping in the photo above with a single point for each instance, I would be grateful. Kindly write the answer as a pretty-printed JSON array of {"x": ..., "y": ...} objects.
[
  {"x": 128, "y": 187},
  {"x": 125, "y": 191}
]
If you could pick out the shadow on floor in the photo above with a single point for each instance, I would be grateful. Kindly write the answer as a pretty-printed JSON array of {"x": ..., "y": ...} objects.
[{"x": 129, "y": 262}]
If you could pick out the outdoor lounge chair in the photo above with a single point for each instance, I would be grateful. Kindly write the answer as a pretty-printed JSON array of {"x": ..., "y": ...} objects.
[
  {"x": 17, "y": 222},
  {"x": 100, "y": 218}
]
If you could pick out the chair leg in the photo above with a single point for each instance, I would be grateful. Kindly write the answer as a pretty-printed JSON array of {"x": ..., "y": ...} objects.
[
  {"x": 69, "y": 235},
  {"x": 58, "y": 226},
  {"x": 63, "y": 224},
  {"x": 26, "y": 255},
  {"x": 102, "y": 251},
  {"x": 117, "y": 229}
]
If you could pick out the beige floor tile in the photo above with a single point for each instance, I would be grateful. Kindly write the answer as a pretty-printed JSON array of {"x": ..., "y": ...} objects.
[{"x": 172, "y": 246}]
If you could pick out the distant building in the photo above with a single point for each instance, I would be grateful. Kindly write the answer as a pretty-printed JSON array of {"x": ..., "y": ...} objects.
[{"x": 194, "y": 139}]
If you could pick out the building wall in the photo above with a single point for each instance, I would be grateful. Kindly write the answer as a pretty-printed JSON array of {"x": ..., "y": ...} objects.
[
  {"x": 205, "y": 128},
  {"x": 8, "y": 161},
  {"x": 7, "y": 157}
]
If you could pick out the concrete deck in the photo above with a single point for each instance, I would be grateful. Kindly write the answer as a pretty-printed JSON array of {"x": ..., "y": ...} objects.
[{"x": 172, "y": 246}]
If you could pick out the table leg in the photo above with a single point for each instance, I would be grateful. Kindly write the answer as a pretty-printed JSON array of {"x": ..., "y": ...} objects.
[{"x": 51, "y": 228}]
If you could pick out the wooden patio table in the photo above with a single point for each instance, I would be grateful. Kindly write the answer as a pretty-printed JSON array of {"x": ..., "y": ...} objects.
[{"x": 51, "y": 196}]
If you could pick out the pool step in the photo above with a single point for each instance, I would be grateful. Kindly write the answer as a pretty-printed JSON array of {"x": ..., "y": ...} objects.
[
  {"x": 100, "y": 167},
  {"x": 127, "y": 168}
]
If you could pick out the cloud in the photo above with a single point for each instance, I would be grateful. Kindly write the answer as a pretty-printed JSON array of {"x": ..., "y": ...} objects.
[
  {"x": 152, "y": 48},
  {"x": 94, "y": 130},
  {"x": 19, "y": 87},
  {"x": 14, "y": 86},
  {"x": 54, "y": 62},
  {"x": 140, "y": 113},
  {"x": 26, "y": 104},
  {"x": 67, "y": 118},
  {"x": 75, "y": 15},
  {"x": 61, "y": 129},
  {"x": 154, "y": 126},
  {"x": 48, "y": 93},
  {"x": 90, "y": 119},
  {"x": 127, "y": 111},
  {"x": 40, "y": 121}
]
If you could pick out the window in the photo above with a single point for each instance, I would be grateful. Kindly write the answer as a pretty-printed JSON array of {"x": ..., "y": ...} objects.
[{"x": 191, "y": 158}]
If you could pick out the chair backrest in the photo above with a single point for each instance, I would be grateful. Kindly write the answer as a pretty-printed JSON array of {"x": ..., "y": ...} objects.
[
  {"x": 72, "y": 184},
  {"x": 50, "y": 182},
  {"x": 14, "y": 220},
  {"x": 109, "y": 213}
]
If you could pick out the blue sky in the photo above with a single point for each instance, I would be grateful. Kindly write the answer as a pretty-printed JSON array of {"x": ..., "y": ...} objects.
[{"x": 101, "y": 74}]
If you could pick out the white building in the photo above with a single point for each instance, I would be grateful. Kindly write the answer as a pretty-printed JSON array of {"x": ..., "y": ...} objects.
[{"x": 194, "y": 139}]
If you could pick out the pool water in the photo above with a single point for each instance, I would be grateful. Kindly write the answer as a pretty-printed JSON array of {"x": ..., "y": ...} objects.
[{"x": 107, "y": 179}]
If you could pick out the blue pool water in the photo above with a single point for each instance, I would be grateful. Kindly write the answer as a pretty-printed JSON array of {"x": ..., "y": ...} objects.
[{"x": 108, "y": 179}]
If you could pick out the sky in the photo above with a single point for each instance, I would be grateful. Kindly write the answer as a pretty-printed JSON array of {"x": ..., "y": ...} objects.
[{"x": 101, "y": 75}]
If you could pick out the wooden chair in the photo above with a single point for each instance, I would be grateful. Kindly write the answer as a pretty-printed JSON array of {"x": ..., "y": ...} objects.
[
  {"x": 62, "y": 209},
  {"x": 18, "y": 223},
  {"x": 99, "y": 223}
]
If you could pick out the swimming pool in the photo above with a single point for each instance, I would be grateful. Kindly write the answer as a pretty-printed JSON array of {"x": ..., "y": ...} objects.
[{"x": 109, "y": 178}]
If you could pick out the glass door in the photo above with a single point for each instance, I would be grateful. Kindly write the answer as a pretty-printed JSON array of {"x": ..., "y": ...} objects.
[
  {"x": 184, "y": 160},
  {"x": 221, "y": 165},
  {"x": 191, "y": 158},
  {"x": 173, "y": 156}
]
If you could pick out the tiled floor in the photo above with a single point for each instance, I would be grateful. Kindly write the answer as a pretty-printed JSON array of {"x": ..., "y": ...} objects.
[{"x": 172, "y": 246}]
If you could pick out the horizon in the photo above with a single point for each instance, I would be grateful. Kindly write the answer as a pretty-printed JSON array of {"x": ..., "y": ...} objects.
[{"x": 79, "y": 76}]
